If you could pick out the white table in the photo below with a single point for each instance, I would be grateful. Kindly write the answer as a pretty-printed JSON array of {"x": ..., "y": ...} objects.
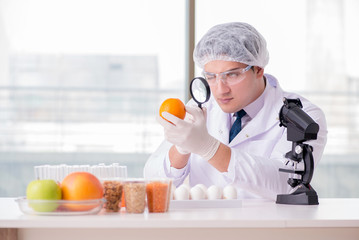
[{"x": 256, "y": 219}]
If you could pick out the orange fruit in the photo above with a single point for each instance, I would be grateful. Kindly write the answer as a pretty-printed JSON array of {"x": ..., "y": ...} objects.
[
  {"x": 173, "y": 106},
  {"x": 79, "y": 186}
]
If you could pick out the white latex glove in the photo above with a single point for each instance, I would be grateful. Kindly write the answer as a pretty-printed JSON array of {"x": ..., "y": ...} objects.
[{"x": 190, "y": 135}]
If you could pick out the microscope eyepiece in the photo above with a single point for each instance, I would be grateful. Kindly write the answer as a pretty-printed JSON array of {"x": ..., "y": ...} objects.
[{"x": 300, "y": 126}]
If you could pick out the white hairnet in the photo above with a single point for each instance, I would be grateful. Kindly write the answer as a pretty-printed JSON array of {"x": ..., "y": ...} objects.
[{"x": 235, "y": 42}]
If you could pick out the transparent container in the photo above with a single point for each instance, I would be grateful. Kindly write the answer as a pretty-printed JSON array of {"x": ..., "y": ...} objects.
[
  {"x": 59, "y": 172},
  {"x": 135, "y": 195},
  {"x": 158, "y": 195},
  {"x": 112, "y": 190}
]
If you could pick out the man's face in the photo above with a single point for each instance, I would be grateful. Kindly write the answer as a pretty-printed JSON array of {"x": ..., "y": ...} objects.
[{"x": 232, "y": 98}]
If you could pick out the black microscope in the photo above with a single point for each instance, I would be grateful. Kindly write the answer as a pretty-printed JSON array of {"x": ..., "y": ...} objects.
[{"x": 300, "y": 128}]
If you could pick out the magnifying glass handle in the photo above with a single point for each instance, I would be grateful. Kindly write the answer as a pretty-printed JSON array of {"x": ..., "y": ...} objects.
[{"x": 200, "y": 105}]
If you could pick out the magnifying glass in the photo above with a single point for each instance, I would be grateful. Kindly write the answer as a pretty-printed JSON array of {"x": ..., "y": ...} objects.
[{"x": 200, "y": 90}]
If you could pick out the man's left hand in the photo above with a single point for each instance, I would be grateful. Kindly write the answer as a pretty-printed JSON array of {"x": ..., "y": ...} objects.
[{"x": 191, "y": 134}]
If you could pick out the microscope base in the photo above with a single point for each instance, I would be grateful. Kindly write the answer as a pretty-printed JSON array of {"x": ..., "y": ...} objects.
[{"x": 306, "y": 196}]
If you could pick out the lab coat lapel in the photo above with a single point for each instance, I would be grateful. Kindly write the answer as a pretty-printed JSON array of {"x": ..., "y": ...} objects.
[{"x": 221, "y": 131}]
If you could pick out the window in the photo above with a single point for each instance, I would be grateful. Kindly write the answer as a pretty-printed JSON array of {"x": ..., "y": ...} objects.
[{"x": 81, "y": 82}]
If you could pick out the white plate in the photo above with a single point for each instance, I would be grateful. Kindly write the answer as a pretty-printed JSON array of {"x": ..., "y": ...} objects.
[{"x": 222, "y": 203}]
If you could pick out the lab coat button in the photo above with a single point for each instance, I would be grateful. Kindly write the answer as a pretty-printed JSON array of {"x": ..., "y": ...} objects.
[{"x": 247, "y": 136}]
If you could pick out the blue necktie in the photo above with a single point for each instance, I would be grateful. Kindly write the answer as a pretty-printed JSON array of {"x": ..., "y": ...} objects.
[{"x": 237, "y": 125}]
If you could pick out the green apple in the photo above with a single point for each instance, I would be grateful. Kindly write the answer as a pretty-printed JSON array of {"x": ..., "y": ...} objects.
[{"x": 46, "y": 189}]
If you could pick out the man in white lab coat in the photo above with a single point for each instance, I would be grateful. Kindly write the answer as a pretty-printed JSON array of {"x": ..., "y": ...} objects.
[{"x": 233, "y": 57}]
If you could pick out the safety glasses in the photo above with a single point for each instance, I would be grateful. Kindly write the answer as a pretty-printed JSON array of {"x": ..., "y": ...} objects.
[{"x": 230, "y": 77}]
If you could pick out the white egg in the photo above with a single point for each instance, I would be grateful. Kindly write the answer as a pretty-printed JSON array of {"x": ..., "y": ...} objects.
[
  {"x": 229, "y": 192},
  {"x": 181, "y": 193},
  {"x": 204, "y": 188},
  {"x": 185, "y": 186},
  {"x": 214, "y": 192},
  {"x": 197, "y": 193}
]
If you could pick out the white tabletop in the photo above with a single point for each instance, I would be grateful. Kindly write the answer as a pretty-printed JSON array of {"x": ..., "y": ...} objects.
[{"x": 342, "y": 213}]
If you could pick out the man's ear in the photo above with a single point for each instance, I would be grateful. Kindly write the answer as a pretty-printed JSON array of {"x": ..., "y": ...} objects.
[{"x": 259, "y": 71}]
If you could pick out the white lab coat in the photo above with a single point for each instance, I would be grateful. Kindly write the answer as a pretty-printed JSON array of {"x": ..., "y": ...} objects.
[{"x": 257, "y": 152}]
